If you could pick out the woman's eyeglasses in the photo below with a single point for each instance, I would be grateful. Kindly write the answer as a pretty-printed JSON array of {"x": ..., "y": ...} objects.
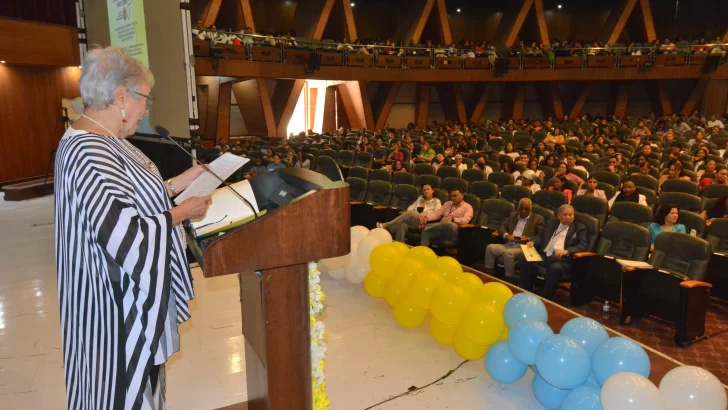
[{"x": 149, "y": 98}]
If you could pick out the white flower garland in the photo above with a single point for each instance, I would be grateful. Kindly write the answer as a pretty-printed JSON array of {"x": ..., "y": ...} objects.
[{"x": 316, "y": 298}]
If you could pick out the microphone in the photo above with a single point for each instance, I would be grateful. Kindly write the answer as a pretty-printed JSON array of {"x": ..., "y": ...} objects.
[{"x": 164, "y": 133}]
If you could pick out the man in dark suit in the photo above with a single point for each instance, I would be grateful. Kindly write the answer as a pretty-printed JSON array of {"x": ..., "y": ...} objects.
[
  {"x": 521, "y": 227},
  {"x": 561, "y": 238}
]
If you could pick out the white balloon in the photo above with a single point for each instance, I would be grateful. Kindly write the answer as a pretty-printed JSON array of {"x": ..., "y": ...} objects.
[
  {"x": 381, "y": 234},
  {"x": 692, "y": 387},
  {"x": 630, "y": 391},
  {"x": 358, "y": 232},
  {"x": 353, "y": 259},
  {"x": 337, "y": 273},
  {"x": 357, "y": 273},
  {"x": 366, "y": 246}
]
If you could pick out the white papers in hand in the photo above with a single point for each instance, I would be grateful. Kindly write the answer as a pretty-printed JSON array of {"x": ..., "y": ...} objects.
[
  {"x": 224, "y": 166},
  {"x": 531, "y": 254},
  {"x": 226, "y": 208}
]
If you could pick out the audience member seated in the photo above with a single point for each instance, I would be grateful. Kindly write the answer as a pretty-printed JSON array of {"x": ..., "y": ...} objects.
[
  {"x": 628, "y": 193},
  {"x": 559, "y": 183},
  {"x": 527, "y": 179},
  {"x": 561, "y": 238},
  {"x": 721, "y": 178},
  {"x": 715, "y": 122},
  {"x": 591, "y": 189},
  {"x": 426, "y": 154},
  {"x": 521, "y": 227},
  {"x": 424, "y": 205},
  {"x": 459, "y": 163},
  {"x": 257, "y": 169},
  {"x": 454, "y": 213},
  {"x": 675, "y": 171},
  {"x": 718, "y": 210},
  {"x": 302, "y": 161},
  {"x": 666, "y": 221},
  {"x": 668, "y": 48},
  {"x": 276, "y": 163},
  {"x": 481, "y": 165},
  {"x": 564, "y": 170}
]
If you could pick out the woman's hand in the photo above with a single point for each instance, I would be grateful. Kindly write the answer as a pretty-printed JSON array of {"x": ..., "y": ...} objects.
[
  {"x": 192, "y": 208},
  {"x": 183, "y": 180}
]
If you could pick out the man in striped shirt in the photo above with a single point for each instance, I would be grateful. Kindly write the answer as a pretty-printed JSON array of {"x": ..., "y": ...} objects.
[{"x": 454, "y": 213}]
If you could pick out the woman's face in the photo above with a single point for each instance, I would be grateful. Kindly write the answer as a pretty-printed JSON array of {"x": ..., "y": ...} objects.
[
  {"x": 589, "y": 148},
  {"x": 558, "y": 184},
  {"x": 561, "y": 169},
  {"x": 533, "y": 164},
  {"x": 397, "y": 165},
  {"x": 276, "y": 159},
  {"x": 629, "y": 188},
  {"x": 699, "y": 135},
  {"x": 645, "y": 169},
  {"x": 700, "y": 154},
  {"x": 427, "y": 192},
  {"x": 541, "y": 146},
  {"x": 592, "y": 184},
  {"x": 550, "y": 162},
  {"x": 509, "y": 147},
  {"x": 269, "y": 153},
  {"x": 674, "y": 172},
  {"x": 600, "y": 139},
  {"x": 534, "y": 152},
  {"x": 672, "y": 216},
  {"x": 710, "y": 166},
  {"x": 440, "y": 158},
  {"x": 136, "y": 105}
]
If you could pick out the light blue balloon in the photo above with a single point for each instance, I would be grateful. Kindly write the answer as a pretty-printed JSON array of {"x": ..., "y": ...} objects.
[
  {"x": 524, "y": 305},
  {"x": 583, "y": 398},
  {"x": 502, "y": 365},
  {"x": 548, "y": 395},
  {"x": 591, "y": 381},
  {"x": 524, "y": 338},
  {"x": 618, "y": 355},
  {"x": 588, "y": 332},
  {"x": 563, "y": 362}
]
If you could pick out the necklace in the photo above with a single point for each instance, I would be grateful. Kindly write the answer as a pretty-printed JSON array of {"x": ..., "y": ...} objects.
[{"x": 130, "y": 149}]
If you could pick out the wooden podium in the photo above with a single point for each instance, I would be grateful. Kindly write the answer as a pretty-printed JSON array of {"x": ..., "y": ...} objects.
[{"x": 307, "y": 219}]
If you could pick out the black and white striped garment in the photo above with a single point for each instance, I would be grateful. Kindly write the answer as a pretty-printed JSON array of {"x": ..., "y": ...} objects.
[{"x": 123, "y": 277}]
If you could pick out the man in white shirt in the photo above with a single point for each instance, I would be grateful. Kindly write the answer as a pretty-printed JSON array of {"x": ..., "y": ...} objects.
[
  {"x": 571, "y": 164},
  {"x": 459, "y": 163},
  {"x": 715, "y": 122},
  {"x": 561, "y": 238},
  {"x": 522, "y": 226}
]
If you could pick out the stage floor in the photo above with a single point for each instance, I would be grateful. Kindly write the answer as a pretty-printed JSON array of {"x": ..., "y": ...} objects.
[{"x": 370, "y": 357}]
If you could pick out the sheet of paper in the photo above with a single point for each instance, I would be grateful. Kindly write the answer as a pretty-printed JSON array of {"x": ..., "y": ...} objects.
[
  {"x": 224, "y": 166},
  {"x": 634, "y": 264},
  {"x": 226, "y": 208},
  {"x": 531, "y": 254}
]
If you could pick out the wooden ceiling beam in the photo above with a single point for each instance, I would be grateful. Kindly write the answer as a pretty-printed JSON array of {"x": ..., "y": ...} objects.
[
  {"x": 270, "y": 121},
  {"x": 366, "y": 105},
  {"x": 422, "y": 104},
  {"x": 519, "y": 100},
  {"x": 623, "y": 17},
  {"x": 620, "y": 106},
  {"x": 581, "y": 101},
  {"x": 387, "y": 105},
  {"x": 213, "y": 8},
  {"x": 284, "y": 101},
  {"x": 695, "y": 95},
  {"x": 445, "y": 33},
  {"x": 541, "y": 20},
  {"x": 350, "y": 22},
  {"x": 422, "y": 20},
  {"x": 518, "y": 23},
  {"x": 649, "y": 22},
  {"x": 247, "y": 14},
  {"x": 482, "y": 103},
  {"x": 556, "y": 100},
  {"x": 318, "y": 32}
]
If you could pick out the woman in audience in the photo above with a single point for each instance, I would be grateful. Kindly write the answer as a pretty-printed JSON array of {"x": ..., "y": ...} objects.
[
  {"x": 257, "y": 169},
  {"x": 483, "y": 166},
  {"x": 397, "y": 167},
  {"x": 542, "y": 149},
  {"x": 710, "y": 167},
  {"x": 533, "y": 166},
  {"x": 666, "y": 221},
  {"x": 425, "y": 204},
  {"x": 699, "y": 158},
  {"x": 302, "y": 161},
  {"x": 563, "y": 169},
  {"x": 291, "y": 158},
  {"x": 716, "y": 211},
  {"x": 675, "y": 171},
  {"x": 550, "y": 161},
  {"x": 628, "y": 193},
  {"x": 510, "y": 151},
  {"x": 269, "y": 154},
  {"x": 645, "y": 169},
  {"x": 276, "y": 163},
  {"x": 395, "y": 155},
  {"x": 559, "y": 185},
  {"x": 427, "y": 153},
  {"x": 591, "y": 189},
  {"x": 438, "y": 161},
  {"x": 448, "y": 148}
]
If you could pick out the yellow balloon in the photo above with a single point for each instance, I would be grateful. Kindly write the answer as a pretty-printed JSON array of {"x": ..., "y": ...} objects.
[
  {"x": 467, "y": 349},
  {"x": 441, "y": 332},
  {"x": 449, "y": 303},
  {"x": 494, "y": 293},
  {"x": 423, "y": 254},
  {"x": 423, "y": 287},
  {"x": 504, "y": 336},
  {"x": 407, "y": 314},
  {"x": 394, "y": 290},
  {"x": 483, "y": 324},
  {"x": 384, "y": 259},
  {"x": 469, "y": 282},
  {"x": 408, "y": 267},
  {"x": 399, "y": 247},
  {"x": 374, "y": 285},
  {"x": 449, "y": 267}
]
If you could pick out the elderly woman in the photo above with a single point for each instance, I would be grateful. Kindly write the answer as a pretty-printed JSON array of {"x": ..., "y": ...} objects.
[{"x": 123, "y": 277}]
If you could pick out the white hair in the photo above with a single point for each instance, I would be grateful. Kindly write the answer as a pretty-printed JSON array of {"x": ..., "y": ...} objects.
[
  {"x": 565, "y": 207},
  {"x": 104, "y": 69},
  {"x": 524, "y": 201}
]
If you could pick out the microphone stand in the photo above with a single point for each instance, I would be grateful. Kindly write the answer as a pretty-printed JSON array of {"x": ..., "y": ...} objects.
[{"x": 164, "y": 133}]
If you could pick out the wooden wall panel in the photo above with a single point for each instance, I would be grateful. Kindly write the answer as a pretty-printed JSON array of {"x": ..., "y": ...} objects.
[
  {"x": 715, "y": 99},
  {"x": 39, "y": 44},
  {"x": 451, "y": 98},
  {"x": 387, "y": 94},
  {"x": 247, "y": 94},
  {"x": 581, "y": 100},
  {"x": 211, "y": 86},
  {"x": 224, "y": 96},
  {"x": 30, "y": 125},
  {"x": 329, "y": 120},
  {"x": 312, "y": 99},
  {"x": 620, "y": 107},
  {"x": 695, "y": 95},
  {"x": 519, "y": 100},
  {"x": 284, "y": 101},
  {"x": 422, "y": 104},
  {"x": 481, "y": 103},
  {"x": 270, "y": 122},
  {"x": 556, "y": 100},
  {"x": 351, "y": 98},
  {"x": 366, "y": 104}
]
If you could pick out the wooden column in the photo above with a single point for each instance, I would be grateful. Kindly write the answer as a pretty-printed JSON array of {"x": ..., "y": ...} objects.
[
  {"x": 451, "y": 98},
  {"x": 620, "y": 106},
  {"x": 222, "y": 130},
  {"x": 366, "y": 104},
  {"x": 211, "y": 13},
  {"x": 329, "y": 120},
  {"x": 623, "y": 17},
  {"x": 270, "y": 122},
  {"x": 518, "y": 23},
  {"x": 482, "y": 102},
  {"x": 444, "y": 23},
  {"x": 556, "y": 100},
  {"x": 541, "y": 20},
  {"x": 351, "y": 98},
  {"x": 349, "y": 20},
  {"x": 312, "y": 101},
  {"x": 647, "y": 17},
  {"x": 284, "y": 101},
  {"x": 422, "y": 20},
  {"x": 581, "y": 101},
  {"x": 383, "y": 102},
  {"x": 422, "y": 104},
  {"x": 695, "y": 95},
  {"x": 518, "y": 101}
]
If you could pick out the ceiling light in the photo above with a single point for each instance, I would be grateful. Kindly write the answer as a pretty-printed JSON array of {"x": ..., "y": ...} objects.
[
  {"x": 353, "y": 4},
  {"x": 559, "y": 6},
  {"x": 2, "y": 61},
  {"x": 458, "y": 10}
]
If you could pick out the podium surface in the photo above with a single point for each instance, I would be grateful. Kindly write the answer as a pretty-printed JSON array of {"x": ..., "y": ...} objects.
[{"x": 307, "y": 219}]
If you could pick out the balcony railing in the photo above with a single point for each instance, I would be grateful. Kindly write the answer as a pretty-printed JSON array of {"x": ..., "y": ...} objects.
[{"x": 288, "y": 50}]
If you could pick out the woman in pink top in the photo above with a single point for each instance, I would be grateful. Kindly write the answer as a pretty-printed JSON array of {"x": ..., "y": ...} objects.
[
  {"x": 564, "y": 170},
  {"x": 591, "y": 189}
]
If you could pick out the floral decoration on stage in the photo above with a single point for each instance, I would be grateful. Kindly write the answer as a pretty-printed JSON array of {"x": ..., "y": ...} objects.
[{"x": 316, "y": 299}]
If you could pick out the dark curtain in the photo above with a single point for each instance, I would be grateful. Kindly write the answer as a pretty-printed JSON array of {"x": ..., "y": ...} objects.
[{"x": 61, "y": 12}]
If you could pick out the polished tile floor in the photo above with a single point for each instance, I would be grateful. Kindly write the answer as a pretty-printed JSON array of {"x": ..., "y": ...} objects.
[{"x": 370, "y": 357}]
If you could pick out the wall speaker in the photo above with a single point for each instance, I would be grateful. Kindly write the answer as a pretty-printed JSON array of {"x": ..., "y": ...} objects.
[
  {"x": 314, "y": 63},
  {"x": 711, "y": 64},
  {"x": 501, "y": 67}
]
